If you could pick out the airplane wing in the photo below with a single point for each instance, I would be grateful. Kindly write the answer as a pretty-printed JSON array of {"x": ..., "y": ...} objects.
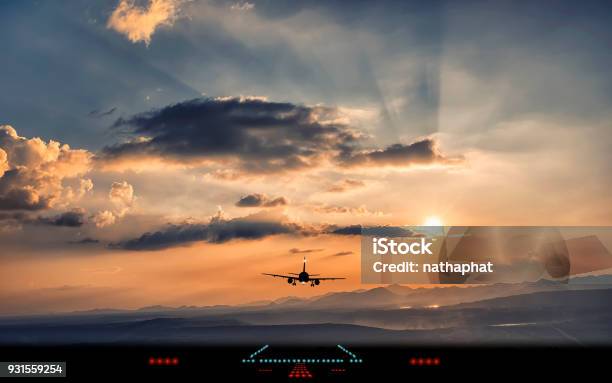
[
  {"x": 280, "y": 276},
  {"x": 327, "y": 278}
]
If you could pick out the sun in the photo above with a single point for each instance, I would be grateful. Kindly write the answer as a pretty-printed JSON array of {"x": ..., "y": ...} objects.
[{"x": 432, "y": 220}]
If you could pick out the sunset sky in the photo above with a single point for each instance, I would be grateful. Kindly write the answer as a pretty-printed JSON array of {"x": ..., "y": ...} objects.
[{"x": 170, "y": 151}]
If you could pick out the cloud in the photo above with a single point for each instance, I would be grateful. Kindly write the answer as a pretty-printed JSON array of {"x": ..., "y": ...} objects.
[
  {"x": 102, "y": 113},
  {"x": 85, "y": 241},
  {"x": 4, "y": 166},
  {"x": 32, "y": 172},
  {"x": 346, "y": 230},
  {"x": 386, "y": 231},
  {"x": 74, "y": 218},
  {"x": 342, "y": 253},
  {"x": 217, "y": 230},
  {"x": 242, "y": 7},
  {"x": 121, "y": 195},
  {"x": 220, "y": 229},
  {"x": 78, "y": 191},
  {"x": 11, "y": 216},
  {"x": 103, "y": 218},
  {"x": 345, "y": 185},
  {"x": 249, "y": 135},
  {"x": 139, "y": 23},
  {"x": 295, "y": 250},
  {"x": 335, "y": 209},
  {"x": 85, "y": 185},
  {"x": 261, "y": 200},
  {"x": 24, "y": 198},
  {"x": 12, "y": 221},
  {"x": 417, "y": 153}
]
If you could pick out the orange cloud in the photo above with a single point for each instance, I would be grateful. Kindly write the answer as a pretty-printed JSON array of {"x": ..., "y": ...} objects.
[
  {"x": 122, "y": 195},
  {"x": 103, "y": 218},
  {"x": 139, "y": 23},
  {"x": 33, "y": 172}
]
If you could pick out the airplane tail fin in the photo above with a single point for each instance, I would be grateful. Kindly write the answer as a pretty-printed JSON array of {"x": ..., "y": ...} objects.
[{"x": 304, "y": 268}]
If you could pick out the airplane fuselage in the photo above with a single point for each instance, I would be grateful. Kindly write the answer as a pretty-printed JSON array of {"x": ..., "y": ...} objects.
[{"x": 303, "y": 277}]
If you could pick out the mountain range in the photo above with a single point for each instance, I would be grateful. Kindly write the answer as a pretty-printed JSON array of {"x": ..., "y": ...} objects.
[{"x": 543, "y": 312}]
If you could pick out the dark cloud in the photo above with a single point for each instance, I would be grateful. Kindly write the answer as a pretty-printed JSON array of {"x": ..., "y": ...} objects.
[
  {"x": 218, "y": 230},
  {"x": 260, "y": 136},
  {"x": 74, "y": 218},
  {"x": 261, "y": 200},
  {"x": 383, "y": 231},
  {"x": 345, "y": 185},
  {"x": 255, "y": 136},
  {"x": 346, "y": 230},
  {"x": 295, "y": 250},
  {"x": 279, "y": 201},
  {"x": 102, "y": 113},
  {"x": 255, "y": 226},
  {"x": 342, "y": 253},
  {"x": 417, "y": 153},
  {"x": 22, "y": 198},
  {"x": 85, "y": 241}
]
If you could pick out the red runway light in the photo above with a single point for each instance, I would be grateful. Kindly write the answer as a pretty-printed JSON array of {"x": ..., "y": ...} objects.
[
  {"x": 159, "y": 361},
  {"x": 429, "y": 361},
  {"x": 300, "y": 371}
]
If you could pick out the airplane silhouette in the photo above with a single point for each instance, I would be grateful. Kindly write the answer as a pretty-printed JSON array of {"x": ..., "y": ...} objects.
[{"x": 303, "y": 277}]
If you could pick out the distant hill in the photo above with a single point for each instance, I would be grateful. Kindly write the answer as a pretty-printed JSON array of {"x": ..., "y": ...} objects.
[
  {"x": 540, "y": 313},
  {"x": 566, "y": 300}
]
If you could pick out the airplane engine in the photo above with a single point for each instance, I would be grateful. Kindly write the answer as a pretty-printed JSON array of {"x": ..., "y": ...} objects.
[
  {"x": 290, "y": 280},
  {"x": 316, "y": 281}
]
